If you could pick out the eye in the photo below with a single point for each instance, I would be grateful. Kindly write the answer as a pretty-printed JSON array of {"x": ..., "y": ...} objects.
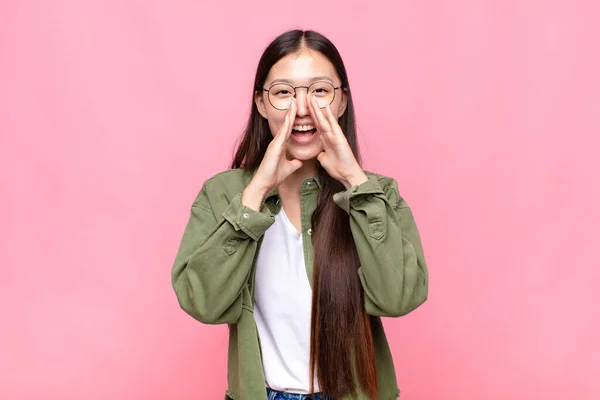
[{"x": 322, "y": 89}]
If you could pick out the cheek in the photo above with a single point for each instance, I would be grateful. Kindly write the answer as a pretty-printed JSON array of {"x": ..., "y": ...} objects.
[
  {"x": 275, "y": 124},
  {"x": 273, "y": 127},
  {"x": 336, "y": 108}
]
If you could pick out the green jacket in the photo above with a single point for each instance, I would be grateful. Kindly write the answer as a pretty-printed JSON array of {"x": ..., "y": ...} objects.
[{"x": 214, "y": 270}]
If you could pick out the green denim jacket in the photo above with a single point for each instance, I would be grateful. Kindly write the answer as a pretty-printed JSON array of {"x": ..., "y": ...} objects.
[{"x": 214, "y": 270}]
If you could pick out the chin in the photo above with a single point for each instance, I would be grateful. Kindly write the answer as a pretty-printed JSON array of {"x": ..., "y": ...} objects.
[{"x": 304, "y": 154}]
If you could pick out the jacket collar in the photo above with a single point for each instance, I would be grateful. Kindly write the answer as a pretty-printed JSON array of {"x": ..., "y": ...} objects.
[{"x": 275, "y": 192}]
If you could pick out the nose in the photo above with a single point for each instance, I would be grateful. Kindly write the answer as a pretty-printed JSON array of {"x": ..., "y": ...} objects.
[{"x": 301, "y": 103}]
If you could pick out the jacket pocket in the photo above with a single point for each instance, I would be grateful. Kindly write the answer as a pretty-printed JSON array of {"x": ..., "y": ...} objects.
[{"x": 233, "y": 242}]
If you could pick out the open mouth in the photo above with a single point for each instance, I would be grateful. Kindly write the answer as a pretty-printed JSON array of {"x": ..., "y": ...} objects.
[
  {"x": 303, "y": 134},
  {"x": 303, "y": 130}
]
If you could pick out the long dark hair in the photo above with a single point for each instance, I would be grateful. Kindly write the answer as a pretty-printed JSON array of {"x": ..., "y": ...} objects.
[{"x": 341, "y": 343}]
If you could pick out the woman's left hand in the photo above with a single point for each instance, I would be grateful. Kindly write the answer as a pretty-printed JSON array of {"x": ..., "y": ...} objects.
[{"x": 337, "y": 157}]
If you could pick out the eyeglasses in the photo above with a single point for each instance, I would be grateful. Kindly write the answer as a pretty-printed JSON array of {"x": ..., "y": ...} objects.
[{"x": 281, "y": 94}]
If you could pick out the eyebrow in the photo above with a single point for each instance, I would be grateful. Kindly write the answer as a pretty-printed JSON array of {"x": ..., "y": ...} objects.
[{"x": 313, "y": 79}]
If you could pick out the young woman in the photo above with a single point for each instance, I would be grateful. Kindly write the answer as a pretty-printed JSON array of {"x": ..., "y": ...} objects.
[{"x": 296, "y": 247}]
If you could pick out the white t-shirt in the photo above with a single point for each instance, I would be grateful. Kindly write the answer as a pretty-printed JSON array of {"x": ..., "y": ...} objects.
[{"x": 282, "y": 308}]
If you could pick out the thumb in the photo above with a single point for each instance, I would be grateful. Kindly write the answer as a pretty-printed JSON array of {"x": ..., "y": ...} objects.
[
  {"x": 295, "y": 164},
  {"x": 292, "y": 165},
  {"x": 322, "y": 157}
]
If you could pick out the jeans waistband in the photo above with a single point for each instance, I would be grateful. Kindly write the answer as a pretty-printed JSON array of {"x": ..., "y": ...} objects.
[{"x": 276, "y": 395}]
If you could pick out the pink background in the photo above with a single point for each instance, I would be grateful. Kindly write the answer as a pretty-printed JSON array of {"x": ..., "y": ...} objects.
[{"x": 113, "y": 113}]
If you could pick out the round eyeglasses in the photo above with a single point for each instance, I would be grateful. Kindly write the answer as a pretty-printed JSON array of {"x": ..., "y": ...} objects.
[{"x": 281, "y": 94}]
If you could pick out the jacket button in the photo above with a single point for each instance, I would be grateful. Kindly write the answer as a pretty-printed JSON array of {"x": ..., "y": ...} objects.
[
  {"x": 310, "y": 233},
  {"x": 246, "y": 215}
]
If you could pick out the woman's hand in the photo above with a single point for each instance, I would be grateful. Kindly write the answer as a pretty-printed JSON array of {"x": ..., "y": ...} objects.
[
  {"x": 337, "y": 157},
  {"x": 275, "y": 167}
]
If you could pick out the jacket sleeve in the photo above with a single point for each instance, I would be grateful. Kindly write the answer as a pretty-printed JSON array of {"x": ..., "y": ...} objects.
[
  {"x": 215, "y": 258},
  {"x": 393, "y": 272}
]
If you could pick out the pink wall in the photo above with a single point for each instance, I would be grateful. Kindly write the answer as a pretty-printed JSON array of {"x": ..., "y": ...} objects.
[{"x": 112, "y": 114}]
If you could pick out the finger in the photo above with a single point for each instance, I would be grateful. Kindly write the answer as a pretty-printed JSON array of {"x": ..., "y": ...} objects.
[
  {"x": 320, "y": 122},
  {"x": 312, "y": 113},
  {"x": 288, "y": 123},
  {"x": 277, "y": 145},
  {"x": 335, "y": 127},
  {"x": 318, "y": 115},
  {"x": 291, "y": 117}
]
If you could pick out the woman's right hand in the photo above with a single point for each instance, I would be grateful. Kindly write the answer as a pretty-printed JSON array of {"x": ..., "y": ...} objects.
[{"x": 275, "y": 167}]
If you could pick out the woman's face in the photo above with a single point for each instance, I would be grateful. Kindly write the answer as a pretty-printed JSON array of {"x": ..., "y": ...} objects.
[{"x": 301, "y": 69}]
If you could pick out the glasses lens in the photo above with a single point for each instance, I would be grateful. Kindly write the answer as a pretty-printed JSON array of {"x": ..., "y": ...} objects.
[
  {"x": 324, "y": 92},
  {"x": 280, "y": 96}
]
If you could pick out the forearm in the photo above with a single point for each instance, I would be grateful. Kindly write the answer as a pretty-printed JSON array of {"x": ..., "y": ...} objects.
[
  {"x": 209, "y": 282},
  {"x": 214, "y": 261},
  {"x": 393, "y": 271},
  {"x": 253, "y": 197}
]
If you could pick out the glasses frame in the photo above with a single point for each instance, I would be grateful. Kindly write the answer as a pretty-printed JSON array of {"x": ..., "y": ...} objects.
[{"x": 299, "y": 87}]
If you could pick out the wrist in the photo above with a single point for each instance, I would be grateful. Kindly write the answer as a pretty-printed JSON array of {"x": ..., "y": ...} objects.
[
  {"x": 253, "y": 197},
  {"x": 356, "y": 179},
  {"x": 257, "y": 190}
]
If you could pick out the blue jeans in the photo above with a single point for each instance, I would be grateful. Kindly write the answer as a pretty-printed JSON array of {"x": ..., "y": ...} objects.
[{"x": 275, "y": 395}]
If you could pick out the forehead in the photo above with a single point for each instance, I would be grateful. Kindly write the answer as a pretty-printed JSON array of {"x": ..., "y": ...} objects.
[{"x": 301, "y": 66}]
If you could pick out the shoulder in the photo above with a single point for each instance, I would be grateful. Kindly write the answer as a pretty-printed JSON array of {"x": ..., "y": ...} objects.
[
  {"x": 238, "y": 178},
  {"x": 389, "y": 186},
  {"x": 224, "y": 185},
  {"x": 385, "y": 182}
]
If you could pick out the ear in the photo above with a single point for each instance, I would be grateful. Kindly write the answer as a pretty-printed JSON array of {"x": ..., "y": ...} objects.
[
  {"x": 343, "y": 103},
  {"x": 259, "y": 100}
]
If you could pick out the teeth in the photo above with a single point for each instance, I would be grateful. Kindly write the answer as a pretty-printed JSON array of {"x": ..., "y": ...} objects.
[{"x": 303, "y": 128}]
